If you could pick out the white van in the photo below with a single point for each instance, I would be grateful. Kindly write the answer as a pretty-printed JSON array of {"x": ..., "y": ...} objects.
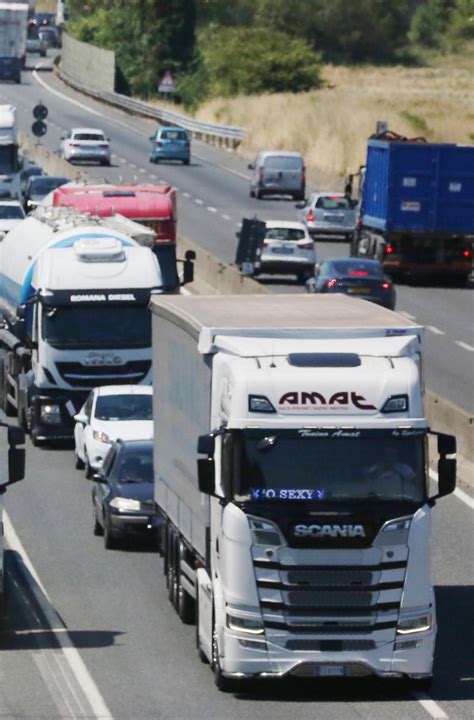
[{"x": 278, "y": 172}]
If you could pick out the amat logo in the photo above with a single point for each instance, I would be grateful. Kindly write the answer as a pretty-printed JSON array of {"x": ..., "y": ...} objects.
[
  {"x": 337, "y": 401},
  {"x": 330, "y": 531}
]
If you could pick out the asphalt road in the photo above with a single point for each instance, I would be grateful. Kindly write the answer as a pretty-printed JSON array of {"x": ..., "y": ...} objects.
[
  {"x": 90, "y": 632},
  {"x": 213, "y": 199}
]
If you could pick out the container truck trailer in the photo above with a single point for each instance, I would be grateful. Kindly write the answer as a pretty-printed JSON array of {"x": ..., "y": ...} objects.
[
  {"x": 74, "y": 295},
  {"x": 416, "y": 208},
  {"x": 13, "y": 31},
  {"x": 299, "y": 540}
]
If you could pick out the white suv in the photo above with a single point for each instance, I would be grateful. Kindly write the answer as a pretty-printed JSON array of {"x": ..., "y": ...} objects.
[
  {"x": 111, "y": 412},
  {"x": 287, "y": 249}
]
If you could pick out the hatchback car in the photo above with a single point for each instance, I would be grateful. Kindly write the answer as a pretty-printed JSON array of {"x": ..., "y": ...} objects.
[
  {"x": 38, "y": 187},
  {"x": 287, "y": 249},
  {"x": 111, "y": 412},
  {"x": 328, "y": 215},
  {"x": 170, "y": 143},
  {"x": 34, "y": 42},
  {"x": 123, "y": 494},
  {"x": 278, "y": 173},
  {"x": 352, "y": 276},
  {"x": 11, "y": 213},
  {"x": 88, "y": 144},
  {"x": 32, "y": 170}
]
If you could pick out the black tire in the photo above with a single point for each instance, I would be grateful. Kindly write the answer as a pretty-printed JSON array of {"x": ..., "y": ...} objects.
[
  {"x": 224, "y": 684},
  {"x": 303, "y": 276},
  {"x": 252, "y": 193},
  {"x": 422, "y": 685},
  {"x": 78, "y": 463},
  {"x": 88, "y": 471},
  {"x": 105, "y": 163},
  {"x": 98, "y": 529},
  {"x": 258, "y": 195},
  {"x": 186, "y": 162},
  {"x": 110, "y": 541}
]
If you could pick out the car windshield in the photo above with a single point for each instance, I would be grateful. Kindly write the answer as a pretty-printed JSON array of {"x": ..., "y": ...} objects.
[
  {"x": 124, "y": 407},
  {"x": 329, "y": 467},
  {"x": 285, "y": 234},
  {"x": 333, "y": 202},
  {"x": 136, "y": 467},
  {"x": 283, "y": 163},
  {"x": 97, "y": 327},
  {"x": 96, "y": 137},
  {"x": 11, "y": 212},
  {"x": 355, "y": 268},
  {"x": 173, "y": 135},
  {"x": 44, "y": 185}
]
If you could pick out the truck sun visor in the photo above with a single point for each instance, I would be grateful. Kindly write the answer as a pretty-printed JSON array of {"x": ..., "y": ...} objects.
[
  {"x": 324, "y": 359},
  {"x": 99, "y": 250}
]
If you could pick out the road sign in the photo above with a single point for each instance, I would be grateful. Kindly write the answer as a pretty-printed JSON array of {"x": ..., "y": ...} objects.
[
  {"x": 40, "y": 112},
  {"x": 166, "y": 83},
  {"x": 39, "y": 128}
]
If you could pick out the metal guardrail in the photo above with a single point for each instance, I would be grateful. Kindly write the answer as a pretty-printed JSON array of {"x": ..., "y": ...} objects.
[{"x": 219, "y": 134}]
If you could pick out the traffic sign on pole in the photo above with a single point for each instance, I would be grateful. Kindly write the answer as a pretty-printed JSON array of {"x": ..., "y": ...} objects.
[
  {"x": 167, "y": 83},
  {"x": 40, "y": 111}
]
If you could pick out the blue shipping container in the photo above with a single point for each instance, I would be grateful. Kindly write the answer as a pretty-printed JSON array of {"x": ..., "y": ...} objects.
[{"x": 418, "y": 187}]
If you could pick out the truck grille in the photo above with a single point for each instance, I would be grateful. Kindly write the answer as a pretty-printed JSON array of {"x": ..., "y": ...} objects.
[
  {"x": 77, "y": 375},
  {"x": 329, "y": 599},
  {"x": 330, "y": 577},
  {"x": 329, "y": 645}
]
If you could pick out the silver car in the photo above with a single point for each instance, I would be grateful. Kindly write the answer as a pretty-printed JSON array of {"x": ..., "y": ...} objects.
[
  {"x": 328, "y": 214},
  {"x": 287, "y": 249},
  {"x": 85, "y": 144},
  {"x": 278, "y": 172}
]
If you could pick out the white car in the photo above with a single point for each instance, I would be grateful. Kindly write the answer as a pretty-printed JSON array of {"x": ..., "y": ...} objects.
[
  {"x": 287, "y": 249},
  {"x": 85, "y": 144},
  {"x": 111, "y": 412},
  {"x": 11, "y": 213}
]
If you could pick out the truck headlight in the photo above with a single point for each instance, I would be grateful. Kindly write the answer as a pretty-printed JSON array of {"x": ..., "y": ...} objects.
[
  {"x": 124, "y": 504},
  {"x": 264, "y": 532},
  {"x": 418, "y": 623},
  {"x": 50, "y": 414},
  {"x": 101, "y": 437},
  {"x": 248, "y": 625},
  {"x": 402, "y": 523}
]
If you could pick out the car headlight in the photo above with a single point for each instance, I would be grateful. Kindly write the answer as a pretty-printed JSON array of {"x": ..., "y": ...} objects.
[
  {"x": 50, "y": 414},
  {"x": 101, "y": 437},
  {"x": 264, "y": 532},
  {"x": 125, "y": 504},
  {"x": 248, "y": 625},
  {"x": 418, "y": 623}
]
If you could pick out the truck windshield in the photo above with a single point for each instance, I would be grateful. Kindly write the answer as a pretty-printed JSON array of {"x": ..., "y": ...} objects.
[
  {"x": 298, "y": 465},
  {"x": 8, "y": 157},
  {"x": 89, "y": 327}
]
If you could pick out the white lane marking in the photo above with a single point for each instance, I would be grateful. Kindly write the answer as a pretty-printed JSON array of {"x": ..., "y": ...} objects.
[
  {"x": 71, "y": 654},
  {"x": 154, "y": 177},
  {"x": 211, "y": 209},
  {"x": 226, "y": 217},
  {"x": 132, "y": 165},
  {"x": 162, "y": 182},
  {"x": 142, "y": 171},
  {"x": 463, "y": 496},
  {"x": 434, "y": 330},
  {"x": 125, "y": 125},
  {"x": 464, "y": 345},
  {"x": 198, "y": 201},
  {"x": 431, "y": 706},
  {"x": 407, "y": 315},
  {"x": 186, "y": 195}
]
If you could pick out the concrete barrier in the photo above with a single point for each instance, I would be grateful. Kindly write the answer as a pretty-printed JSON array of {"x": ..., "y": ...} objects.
[
  {"x": 88, "y": 65},
  {"x": 445, "y": 416}
]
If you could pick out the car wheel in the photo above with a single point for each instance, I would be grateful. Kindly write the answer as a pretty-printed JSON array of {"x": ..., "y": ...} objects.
[
  {"x": 110, "y": 541},
  {"x": 304, "y": 276},
  {"x": 106, "y": 163},
  {"x": 252, "y": 193},
  {"x": 98, "y": 529},
  {"x": 78, "y": 463},
  {"x": 258, "y": 194},
  {"x": 88, "y": 470},
  {"x": 186, "y": 162}
]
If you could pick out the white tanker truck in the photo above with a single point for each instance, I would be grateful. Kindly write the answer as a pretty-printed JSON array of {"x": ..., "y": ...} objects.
[{"x": 74, "y": 295}]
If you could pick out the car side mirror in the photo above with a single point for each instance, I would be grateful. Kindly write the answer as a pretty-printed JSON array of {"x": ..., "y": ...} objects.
[
  {"x": 99, "y": 478},
  {"x": 81, "y": 418},
  {"x": 206, "y": 476}
]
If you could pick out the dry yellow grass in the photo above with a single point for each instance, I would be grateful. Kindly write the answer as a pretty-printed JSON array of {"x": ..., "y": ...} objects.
[{"x": 330, "y": 126}]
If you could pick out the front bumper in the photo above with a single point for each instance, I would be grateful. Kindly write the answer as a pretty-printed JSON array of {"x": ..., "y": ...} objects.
[
  {"x": 139, "y": 523},
  {"x": 170, "y": 155},
  {"x": 274, "y": 661},
  {"x": 89, "y": 156},
  {"x": 286, "y": 266}
]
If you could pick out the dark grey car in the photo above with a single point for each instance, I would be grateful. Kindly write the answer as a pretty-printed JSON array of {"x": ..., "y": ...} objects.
[
  {"x": 123, "y": 494},
  {"x": 278, "y": 172}
]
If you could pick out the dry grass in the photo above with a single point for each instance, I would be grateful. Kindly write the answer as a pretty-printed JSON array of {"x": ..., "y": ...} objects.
[{"x": 330, "y": 126}]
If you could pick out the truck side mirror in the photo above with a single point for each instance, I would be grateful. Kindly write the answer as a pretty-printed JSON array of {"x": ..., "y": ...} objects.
[
  {"x": 188, "y": 267},
  {"x": 21, "y": 312},
  {"x": 16, "y": 464},
  {"x": 206, "y": 445},
  {"x": 16, "y": 436},
  {"x": 206, "y": 476},
  {"x": 446, "y": 444},
  {"x": 446, "y": 466}
]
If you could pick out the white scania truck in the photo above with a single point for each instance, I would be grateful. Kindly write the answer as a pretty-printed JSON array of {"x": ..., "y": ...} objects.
[
  {"x": 300, "y": 539},
  {"x": 74, "y": 295}
]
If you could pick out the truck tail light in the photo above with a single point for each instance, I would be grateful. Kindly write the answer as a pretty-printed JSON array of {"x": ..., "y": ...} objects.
[{"x": 388, "y": 250}]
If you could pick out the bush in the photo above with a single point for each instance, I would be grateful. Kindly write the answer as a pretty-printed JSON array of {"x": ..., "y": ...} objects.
[{"x": 248, "y": 61}]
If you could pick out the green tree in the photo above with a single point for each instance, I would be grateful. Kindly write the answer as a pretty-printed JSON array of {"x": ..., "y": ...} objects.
[
  {"x": 461, "y": 21},
  {"x": 430, "y": 22}
]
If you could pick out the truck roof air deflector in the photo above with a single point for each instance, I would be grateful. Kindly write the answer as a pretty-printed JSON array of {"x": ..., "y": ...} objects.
[{"x": 324, "y": 360}]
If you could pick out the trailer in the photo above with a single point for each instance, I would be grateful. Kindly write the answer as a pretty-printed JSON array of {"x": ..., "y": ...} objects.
[
  {"x": 299, "y": 542},
  {"x": 13, "y": 31}
]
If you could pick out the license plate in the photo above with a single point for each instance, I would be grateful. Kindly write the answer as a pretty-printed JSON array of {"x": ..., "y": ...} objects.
[
  {"x": 282, "y": 251},
  {"x": 359, "y": 291},
  {"x": 334, "y": 218},
  {"x": 329, "y": 671}
]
